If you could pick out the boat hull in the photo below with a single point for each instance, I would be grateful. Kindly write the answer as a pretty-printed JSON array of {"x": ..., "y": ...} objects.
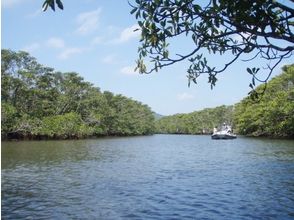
[{"x": 223, "y": 136}]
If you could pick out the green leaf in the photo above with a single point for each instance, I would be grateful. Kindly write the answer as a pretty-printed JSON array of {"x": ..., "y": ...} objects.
[
  {"x": 59, "y": 4},
  {"x": 197, "y": 8},
  {"x": 249, "y": 71},
  {"x": 138, "y": 15},
  {"x": 52, "y": 4},
  {"x": 134, "y": 10},
  {"x": 45, "y": 6}
]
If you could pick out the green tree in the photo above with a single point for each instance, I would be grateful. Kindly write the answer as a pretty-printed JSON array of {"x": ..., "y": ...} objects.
[
  {"x": 40, "y": 103},
  {"x": 260, "y": 29},
  {"x": 128, "y": 117},
  {"x": 263, "y": 29},
  {"x": 8, "y": 118},
  {"x": 273, "y": 115},
  {"x": 198, "y": 122},
  {"x": 69, "y": 125}
]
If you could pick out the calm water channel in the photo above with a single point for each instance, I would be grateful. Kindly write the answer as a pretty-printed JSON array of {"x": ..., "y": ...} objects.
[{"x": 153, "y": 177}]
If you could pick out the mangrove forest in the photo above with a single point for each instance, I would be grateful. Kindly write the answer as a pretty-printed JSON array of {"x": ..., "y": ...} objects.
[
  {"x": 271, "y": 115},
  {"x": 38, "y": 102}
]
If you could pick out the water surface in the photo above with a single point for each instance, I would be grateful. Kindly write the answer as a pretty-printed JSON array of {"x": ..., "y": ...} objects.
[{"x": 153, "y": 177}]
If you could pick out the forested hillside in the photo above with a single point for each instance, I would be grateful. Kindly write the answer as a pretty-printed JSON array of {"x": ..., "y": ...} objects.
[
  {"x": 38, "y": 102},
  {"x": 273, "y": 115},
  {"x": 198, "y": 122}
]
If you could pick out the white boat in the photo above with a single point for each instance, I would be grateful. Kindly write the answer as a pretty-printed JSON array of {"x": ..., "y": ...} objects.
[{"x": 224, "y": 133}]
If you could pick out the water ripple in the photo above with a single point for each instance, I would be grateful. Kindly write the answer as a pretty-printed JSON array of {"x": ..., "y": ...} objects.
[{"x": 156, "y": 177}]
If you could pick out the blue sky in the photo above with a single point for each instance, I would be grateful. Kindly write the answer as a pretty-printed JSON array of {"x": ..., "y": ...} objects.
[{"x": 96, "y": 39}]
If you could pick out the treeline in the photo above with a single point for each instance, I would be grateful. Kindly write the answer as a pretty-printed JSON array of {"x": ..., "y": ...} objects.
[
  {"x": 39, "y": 103},
  {"x": 272, "y": 115},
  {"x": 198, "y": 122}
]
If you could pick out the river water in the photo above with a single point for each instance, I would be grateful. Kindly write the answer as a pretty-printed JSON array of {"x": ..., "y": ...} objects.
[{"x": 151, "y": 177}]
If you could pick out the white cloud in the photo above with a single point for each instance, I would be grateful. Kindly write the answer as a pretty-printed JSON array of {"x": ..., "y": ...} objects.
[
  {"x": 184, "y": 96},
  {"x": 54, "y": 42},
  {"x": 110, "y": 59},
  {"x": 88, "y": 21},
  {"x": 97, "y": 40},
  {"x": 68, "y": 52},
  {"x": 128, "y": 70},
  {"x": 128, "y": 34},
  {"x": 32, "y": 47}
]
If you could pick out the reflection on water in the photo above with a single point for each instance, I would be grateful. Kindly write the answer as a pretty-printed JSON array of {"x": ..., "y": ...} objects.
[{"x": 153, "y": 177}]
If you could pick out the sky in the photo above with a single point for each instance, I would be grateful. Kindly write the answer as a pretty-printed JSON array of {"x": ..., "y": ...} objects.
[{"x": 95, "y": 38}]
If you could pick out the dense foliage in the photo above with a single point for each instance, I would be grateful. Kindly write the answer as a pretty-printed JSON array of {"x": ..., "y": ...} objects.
[
  {"x": 198, "y": 122},
  {"x": 38, "y": 102},
  {"x": 273, "y": 115},
  {"x": 244, "y": 30}
]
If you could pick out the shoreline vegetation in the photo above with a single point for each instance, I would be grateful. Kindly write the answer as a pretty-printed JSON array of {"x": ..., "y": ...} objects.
[
  {"x": 272, "y": 116},
  {"x": 38, "y": 103}
]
